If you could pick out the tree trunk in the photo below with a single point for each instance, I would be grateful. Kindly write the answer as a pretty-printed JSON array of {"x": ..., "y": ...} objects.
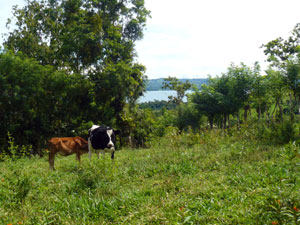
[
  {"x": 246, "y": 108},
  {"x": 228, "y": 120},
  {"x": 280, "y": 112},
  {"x": 298, "y": 105},
  {"x": 291, "y": 109},
  {"x": 210, "y": 120},
  {"x": 225, "y": 121},
  {"x": 238, "y": 120},
  {"x": 274, "y": 110}
]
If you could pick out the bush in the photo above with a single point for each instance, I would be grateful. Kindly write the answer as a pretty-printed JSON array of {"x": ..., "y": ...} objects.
[
  {"x": 15, "y": 151},
  {"x": 278, "y": 133},
  {"x": 283, "y": 133}
]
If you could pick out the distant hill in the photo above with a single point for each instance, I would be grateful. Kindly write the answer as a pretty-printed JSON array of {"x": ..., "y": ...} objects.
[{"x": 156, "y": 84}]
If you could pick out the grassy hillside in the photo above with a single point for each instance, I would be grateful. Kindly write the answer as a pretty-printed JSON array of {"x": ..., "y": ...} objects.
[{"x": 221, "y": 180}]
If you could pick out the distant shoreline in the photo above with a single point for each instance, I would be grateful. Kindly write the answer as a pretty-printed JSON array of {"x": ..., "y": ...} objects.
[
  {"x": 156, "y": 84},
  {"x": 159, "y": 95}
]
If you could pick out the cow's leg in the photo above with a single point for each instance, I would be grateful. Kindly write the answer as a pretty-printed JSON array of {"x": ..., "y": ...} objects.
[
  {"x": 90, "y": 154},
  {"x": 90, "y": 149},
  {"x": 51, "y": 159},
  {"x": 113, "y": 155},
  {"x": 78, "y": 157},
  {"x": 103, "y": 153}
]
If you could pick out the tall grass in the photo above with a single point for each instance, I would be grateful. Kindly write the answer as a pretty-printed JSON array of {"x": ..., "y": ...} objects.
[{"x": 215, "y": 179}]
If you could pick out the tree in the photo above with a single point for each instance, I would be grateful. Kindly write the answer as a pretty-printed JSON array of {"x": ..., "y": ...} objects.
[
  {"x": 291, "y": 77},
  {"x": 259, "y": 95},
  {"x": 93, "y": 38},
  {"x": 206, "y": 102},
  {"x": 174, "y": 84},
  {"x": 190, "y": 118},
  {"x": 284, "y": 56},
  {"x": 225, "y": 103},
  {"x": 227, "y": 94},
  {"x": 80, "y": 35},
  {"x": 117, "y": 85},
  {"x": 280, "y": 50},
  {"x": 277, "y": 89},
  {"x": 241, "y": 85},
  {"x": 37, "y": 101}
]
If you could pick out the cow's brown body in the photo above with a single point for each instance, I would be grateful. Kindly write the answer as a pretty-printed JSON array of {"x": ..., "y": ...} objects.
[{"x": 66, "y": 146}]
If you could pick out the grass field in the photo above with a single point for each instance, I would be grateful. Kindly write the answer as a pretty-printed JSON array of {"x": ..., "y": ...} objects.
[{"x": 221, "y": 180}]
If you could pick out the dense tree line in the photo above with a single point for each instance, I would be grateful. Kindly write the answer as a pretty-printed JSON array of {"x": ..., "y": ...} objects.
[
  {"x": 70, "y": 63},
  {"x": 242, "y": 91}
]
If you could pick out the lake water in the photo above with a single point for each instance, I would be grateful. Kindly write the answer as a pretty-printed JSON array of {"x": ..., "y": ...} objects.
[{"x": 151, "y": 96}]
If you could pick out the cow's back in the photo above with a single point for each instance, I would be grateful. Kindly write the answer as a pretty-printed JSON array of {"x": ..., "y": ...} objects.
[{"x": 68, "y": 145}]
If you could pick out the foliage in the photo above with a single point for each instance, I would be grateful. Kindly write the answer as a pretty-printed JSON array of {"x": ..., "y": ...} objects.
[
  {"x": 14, "y": 151},
  {"x": 284, "y": 57},
  {"x": 188, "y": 117},
  {"x": 140, "y": 127},
  {"x": 280, "y": 50},
  {"x": 173, "y": 83},
  {"x": 79, "y": 35},
  {"x": 157, "y": 105},
  {"x": 38, "y": 102},
  {"x": 93, "y": 40},
  {"x": 227, "y": 94},
  {"x": 220, "y": 179},
  {"x": 259, "y": 96},
  {"x": 272, "y": 132},
  {"x": 284, "y": 133}
]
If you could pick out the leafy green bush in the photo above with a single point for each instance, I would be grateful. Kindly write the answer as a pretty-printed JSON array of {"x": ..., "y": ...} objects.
[
  {"x": 273, "y": 132},
  {"x": 15, "y": 151},
  {"x": 284, "y": 132}
]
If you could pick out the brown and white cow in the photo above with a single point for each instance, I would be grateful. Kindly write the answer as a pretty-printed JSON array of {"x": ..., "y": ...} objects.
[{"x": 66, "y": 146}]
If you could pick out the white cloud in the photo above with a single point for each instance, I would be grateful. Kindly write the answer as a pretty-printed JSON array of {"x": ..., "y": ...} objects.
[
  {"x": 5, "y": 13},
  {"x": 193, "y": 38}
]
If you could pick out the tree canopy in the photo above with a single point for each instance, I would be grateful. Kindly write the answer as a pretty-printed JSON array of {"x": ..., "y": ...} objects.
[
  {"x": 94, "y": 38},
  {"x": 77, "y": 55}
]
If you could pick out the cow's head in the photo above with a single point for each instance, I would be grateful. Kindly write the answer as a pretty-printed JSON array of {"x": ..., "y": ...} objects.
[
  {"x": 82, "y": 144},
  {"x": 103, "y": 137}
]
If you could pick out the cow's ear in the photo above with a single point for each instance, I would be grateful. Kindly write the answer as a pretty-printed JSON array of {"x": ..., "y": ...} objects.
[{"x": 117, "y": 132}]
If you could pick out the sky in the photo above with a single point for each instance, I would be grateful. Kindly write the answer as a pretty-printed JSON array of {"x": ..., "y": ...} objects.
[{"x": 197, "y": 38}]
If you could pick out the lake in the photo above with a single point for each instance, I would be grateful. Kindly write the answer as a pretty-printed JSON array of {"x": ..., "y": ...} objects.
[{"x": 151, "y": 96}]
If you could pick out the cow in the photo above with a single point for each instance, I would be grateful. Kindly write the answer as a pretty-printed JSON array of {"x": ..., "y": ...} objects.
[
  {"x": 66, "y": 146},
  {"x": 102, "y": 139}
]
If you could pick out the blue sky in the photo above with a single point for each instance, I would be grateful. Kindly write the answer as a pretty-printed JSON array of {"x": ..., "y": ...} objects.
[{"x": 194, "y": 38}]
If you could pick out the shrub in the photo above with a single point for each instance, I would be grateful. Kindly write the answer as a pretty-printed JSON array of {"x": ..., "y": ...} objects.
[
  {"x": 15, "y": 151},
  {"x": 278, "y": 133},
  {"x": 283, "y": 133}
]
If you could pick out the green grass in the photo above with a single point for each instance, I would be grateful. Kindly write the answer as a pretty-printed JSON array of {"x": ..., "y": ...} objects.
[{"x": 222, "y": 180}]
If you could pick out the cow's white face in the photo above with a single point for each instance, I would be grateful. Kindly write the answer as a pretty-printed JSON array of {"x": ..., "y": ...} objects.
[
  {"x": 110, "y": 143},
  {"x": 102, "y": 139},
  {"x": 105, "y": 137}
]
